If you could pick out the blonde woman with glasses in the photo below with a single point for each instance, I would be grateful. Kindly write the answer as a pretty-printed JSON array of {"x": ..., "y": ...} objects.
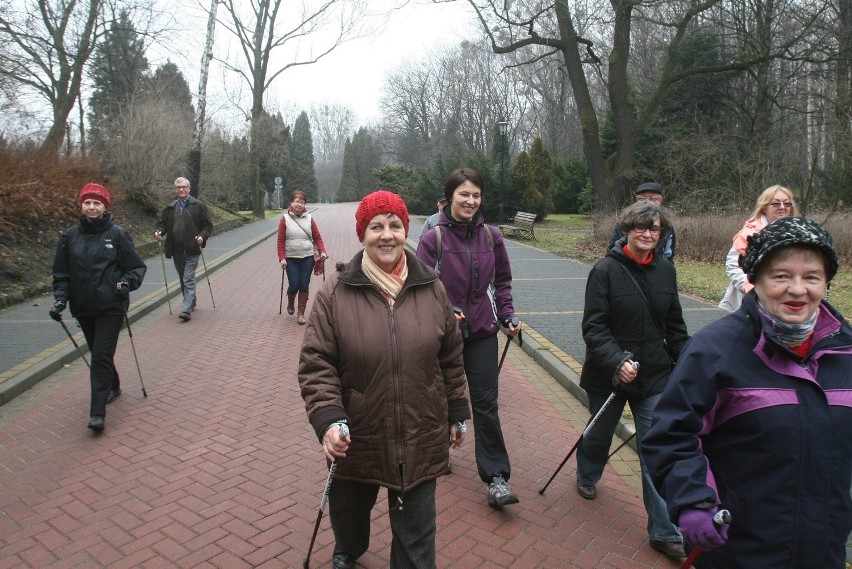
[{"x": 775, "y": 202}]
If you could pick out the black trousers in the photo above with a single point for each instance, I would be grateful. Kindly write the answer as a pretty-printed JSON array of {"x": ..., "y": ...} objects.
[
  {"x": 412, "y": 526},
  {"x": 101, "y": 334},
  {"x": 480, "y": 366}
]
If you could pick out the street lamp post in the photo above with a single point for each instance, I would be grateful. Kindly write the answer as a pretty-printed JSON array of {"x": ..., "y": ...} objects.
[{"x": 503, "y": 125}]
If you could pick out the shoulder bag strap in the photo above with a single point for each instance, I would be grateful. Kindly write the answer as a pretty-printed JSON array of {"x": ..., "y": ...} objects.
[
  {"x": 299, "y": 225},
  {"x": 648, "y": 302}
]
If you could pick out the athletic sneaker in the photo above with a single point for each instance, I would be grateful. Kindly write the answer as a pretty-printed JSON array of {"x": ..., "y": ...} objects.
[{"x": 500, "y": 494}]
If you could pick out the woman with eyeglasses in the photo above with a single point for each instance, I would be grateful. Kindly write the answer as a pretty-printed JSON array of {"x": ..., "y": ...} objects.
[
  {"x": 773, "y": 203},
  {"x": 300, "y": 246},
  {"x": 634, "y": 330}
]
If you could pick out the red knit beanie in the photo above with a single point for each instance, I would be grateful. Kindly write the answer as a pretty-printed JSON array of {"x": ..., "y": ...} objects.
[
  {"x": 94, "y": 192},
  {"x": 380, "y": 201}
]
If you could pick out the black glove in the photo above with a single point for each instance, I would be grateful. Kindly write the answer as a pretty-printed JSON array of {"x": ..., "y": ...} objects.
[
  {"x": 56, "y": 309},
  {"x": 122, "y": 291}
]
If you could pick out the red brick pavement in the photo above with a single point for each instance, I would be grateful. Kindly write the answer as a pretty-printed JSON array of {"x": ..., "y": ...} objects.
[{"x": 218, "y": 466}]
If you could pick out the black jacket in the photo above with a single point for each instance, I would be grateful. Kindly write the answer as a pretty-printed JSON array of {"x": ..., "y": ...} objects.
[
  {"x": 617, "y": 324},
  {"x": 90, "y": 259},
  {"x": 200, "y": 218}
]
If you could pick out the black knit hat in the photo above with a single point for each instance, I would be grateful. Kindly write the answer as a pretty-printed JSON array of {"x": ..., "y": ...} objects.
[
  {"x": 788, "y": 232},
  {"x": 649, "y": 187}
]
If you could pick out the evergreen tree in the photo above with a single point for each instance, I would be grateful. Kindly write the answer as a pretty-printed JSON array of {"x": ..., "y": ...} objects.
[
  {"x": 302, "y": 175},
  {"x": 273, "y": 152},
  {"x": 119, "y": 71},
  {"x": 541, "y": 177},
  {"x": 348, "y": 190},
  {"x": 367, "y": 157},
  {"x": 169, "y": 84}
]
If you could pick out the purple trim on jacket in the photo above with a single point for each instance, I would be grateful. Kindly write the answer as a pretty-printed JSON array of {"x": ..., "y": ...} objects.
[
  {"x": 731, "y": 403},
  {"x": 839, "y": 397},
  {"x": 467, "y": 267},
  {"x": 774, "y": 447}
]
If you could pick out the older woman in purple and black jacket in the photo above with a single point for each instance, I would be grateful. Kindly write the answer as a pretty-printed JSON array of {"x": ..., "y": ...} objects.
[
  {"x": 757, "y": 416},
  {"x": 474, "y": 267}
]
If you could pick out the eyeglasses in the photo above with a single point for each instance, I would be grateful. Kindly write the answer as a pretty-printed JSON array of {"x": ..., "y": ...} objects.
[
  {"x": 654, "y": 229},
  {"x": 181, "y": 187},
  {"x": 776, "y": 205},
  {"x": 656, "y": 198},
  {"x": 298, "y": 201}
]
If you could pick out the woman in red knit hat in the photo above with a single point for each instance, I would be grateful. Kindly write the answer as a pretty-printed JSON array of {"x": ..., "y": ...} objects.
[
  {"x": 382, "y": 355},
  {"x": 95, "y": 268}
]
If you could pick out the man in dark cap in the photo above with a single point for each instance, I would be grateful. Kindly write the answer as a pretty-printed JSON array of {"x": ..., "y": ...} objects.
[
  {"x": 432, "y": 220},
  {"x": 651, "y": 191}
]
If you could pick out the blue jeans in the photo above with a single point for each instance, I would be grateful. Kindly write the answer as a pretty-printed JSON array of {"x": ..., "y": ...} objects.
[
  {"x": 186, "y": 265},
  {"x": 299, "y": 274},
  {"x": 594, "y": 449}
]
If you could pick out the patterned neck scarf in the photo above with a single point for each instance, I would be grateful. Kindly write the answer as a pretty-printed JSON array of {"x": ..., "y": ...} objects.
[
  {"x": 390, "y": 284},
  {"x": 791, "y": 334}
]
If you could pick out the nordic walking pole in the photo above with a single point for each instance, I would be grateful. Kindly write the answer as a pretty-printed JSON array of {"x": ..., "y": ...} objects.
[
  {"x": 70, "y": 337},
  {"x": 627, "y": 440},
  {"x": 165, "y": 279},
  {"x": 344, "y": 432},
  {"x": 579, "y": 440},
  {"x": 132, "y": 345},
  {"x": 281, "y": 302},
  {"x": 206, "y": 274},
  {"x": 720, "y": 518},
  {"x": 513, "y": 322}
]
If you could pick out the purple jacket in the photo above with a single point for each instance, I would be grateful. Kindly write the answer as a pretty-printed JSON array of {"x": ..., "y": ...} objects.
[
  {"x": 468, "y": 265},
  {"x": 747, "y": 424}
]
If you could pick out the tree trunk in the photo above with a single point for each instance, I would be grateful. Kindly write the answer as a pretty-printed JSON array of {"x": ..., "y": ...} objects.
[
  {"x": 194, "y": 159},
  {"x": 585, "y": 107}
]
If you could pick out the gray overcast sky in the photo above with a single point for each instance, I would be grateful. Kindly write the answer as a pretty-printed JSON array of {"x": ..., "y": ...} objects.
[{"x": 352, "y": 75}]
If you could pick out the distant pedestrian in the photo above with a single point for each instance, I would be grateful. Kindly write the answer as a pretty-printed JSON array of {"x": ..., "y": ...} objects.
[
  {"x": 300, "y": 246},
  {"x": 474, "y": 266},
  {"x": 187, "y": 226},
  {"x": 94, "y": 269},
  {"x": 650, "y": 191},
  {"x": 632, "y": 314},
  {"x": 757, "y": 416},
  {"x": 433, "y": 219},
  {"x": 382, "y": 353},
  {"x": 773, "y": 203}
]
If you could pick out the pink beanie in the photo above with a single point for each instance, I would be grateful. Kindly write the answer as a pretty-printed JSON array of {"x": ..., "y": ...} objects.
[
  {"x": 380, "y": 201},
  {"x": 94, "y": 192}
]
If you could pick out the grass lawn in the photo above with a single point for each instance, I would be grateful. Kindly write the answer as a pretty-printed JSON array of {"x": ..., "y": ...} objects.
[{"x": 570, "y": 236}]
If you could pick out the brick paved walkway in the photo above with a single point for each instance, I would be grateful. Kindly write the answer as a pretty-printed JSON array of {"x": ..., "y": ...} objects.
[{"x": 218, "y": 466}]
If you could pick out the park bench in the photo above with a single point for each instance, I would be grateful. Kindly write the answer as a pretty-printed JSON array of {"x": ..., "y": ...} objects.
[{"x": 521, "y": 223}]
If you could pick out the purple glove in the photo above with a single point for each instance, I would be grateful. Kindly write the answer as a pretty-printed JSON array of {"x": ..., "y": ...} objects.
[{"x": 699, "y": 530}]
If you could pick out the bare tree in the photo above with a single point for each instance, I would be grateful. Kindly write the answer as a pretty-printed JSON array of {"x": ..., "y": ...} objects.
[
  {"x": 585, "y": 40},
  {"x": 331, "y": 125},
  {"x": 266, "y": 26},
  {"x": 147, "y": 146},
  {"x": 46, "y": 45}
]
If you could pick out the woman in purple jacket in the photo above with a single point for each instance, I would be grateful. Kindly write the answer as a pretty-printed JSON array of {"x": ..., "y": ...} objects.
[
  {"x": 474, "y": 267},
  {"x": 757, "y": 416}
]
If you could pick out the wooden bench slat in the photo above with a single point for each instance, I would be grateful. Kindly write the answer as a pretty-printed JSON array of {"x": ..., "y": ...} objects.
[{"x": 522, "y": 222}]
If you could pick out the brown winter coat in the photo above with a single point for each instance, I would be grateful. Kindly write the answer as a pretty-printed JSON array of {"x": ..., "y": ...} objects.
[{"x": 396, "y": 375}]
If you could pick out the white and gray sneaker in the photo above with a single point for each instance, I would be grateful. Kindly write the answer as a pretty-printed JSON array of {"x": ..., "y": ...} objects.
[{"x": 500, "y": 494}]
